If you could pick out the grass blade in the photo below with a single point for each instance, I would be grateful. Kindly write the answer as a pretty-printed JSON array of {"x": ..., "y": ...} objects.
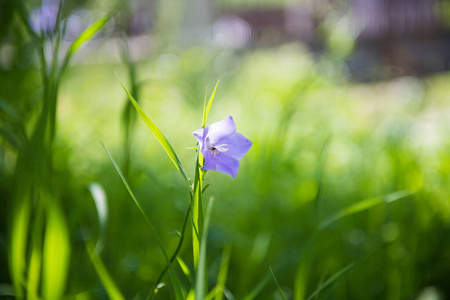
[
  {"x": 101, "y": 203},
  {"x": 158, "y": 135},
  {"x": 18, "y": 249},
  {"x": 173, "y": 276},
  {"x": 201, "y": 278},
  {"x": 364, "y": 205},
  {"x": 185, "y": 270},
  {"x": 35, "y": 263},
  {"x": 223, "y": 272},
  {"x": 257, "y": 289},
  {"x": 85, "y": 36},
  {"x": 56, "y": 254},
  {"x": 110, "y": 287},
  {"x": 197, "y": 210},
  {"x": 301, "y": 276},
  {"x": 207, "y": 107},
  {"x": 276, "y": 282},
  {"x": 330, "y": 280}
]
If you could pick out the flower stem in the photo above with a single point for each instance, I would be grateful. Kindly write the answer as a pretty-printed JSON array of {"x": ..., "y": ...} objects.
[
  {"x": 197, "y": 209},
  {"x": 174, "y": 255}
]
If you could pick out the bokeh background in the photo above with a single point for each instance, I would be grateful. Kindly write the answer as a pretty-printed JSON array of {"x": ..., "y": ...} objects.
[{"x": 343, "y": 101}]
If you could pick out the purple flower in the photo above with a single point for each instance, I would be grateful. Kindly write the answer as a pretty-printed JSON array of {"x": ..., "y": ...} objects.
[{"x": 222, "y": 146}]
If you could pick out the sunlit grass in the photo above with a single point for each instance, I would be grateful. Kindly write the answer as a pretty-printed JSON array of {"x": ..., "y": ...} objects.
[
  {"x": 314, "y": 197},
  {"x": 383, "y": 137}
]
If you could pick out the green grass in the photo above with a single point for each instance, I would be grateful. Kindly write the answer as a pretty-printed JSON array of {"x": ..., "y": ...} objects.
[{"x": 313, "y": 199}]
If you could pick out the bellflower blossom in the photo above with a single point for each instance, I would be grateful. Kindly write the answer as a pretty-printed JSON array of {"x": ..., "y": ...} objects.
[{"x": 222, "y": 146}]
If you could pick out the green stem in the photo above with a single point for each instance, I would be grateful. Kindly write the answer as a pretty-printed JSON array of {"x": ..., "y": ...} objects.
[
  {"x": 174, "y": 255},
  {"x": 197, "y": 210}
]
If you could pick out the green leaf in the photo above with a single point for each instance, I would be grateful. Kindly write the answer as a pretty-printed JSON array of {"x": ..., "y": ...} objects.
[
  {"x": 158, "y": 135},
  {"x": 56, "y": 254},
  {"x": 201, "y": 278},
  {"x": 330, "y": 280},
  {"x": 276, "y": 282},
  {"x": 207, "y": 108},
  {"x": 364, "y": 205},
  {"x": 175, "y": 282}
]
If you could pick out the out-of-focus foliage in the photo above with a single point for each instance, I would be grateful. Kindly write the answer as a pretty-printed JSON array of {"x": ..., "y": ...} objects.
[{"x": 321, "y": 143}]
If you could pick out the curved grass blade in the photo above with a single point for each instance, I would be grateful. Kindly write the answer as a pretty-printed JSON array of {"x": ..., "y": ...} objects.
[
  {"x": 99, "y": 196},
  {"x": 173, "y": 276},
  {"x": 207, "y": 108},
  {"x": 172, "y": 259},
  {"x": 364, "y": 205},
  {"x": 101, "y": 203},
  {"x": 276, "y": 282},
  {"x": 330, "y": 280},
  {"x": 110, "y": 287},
  {"x": 201, "y": 278},
  {"x": 85, "y": 36},
  {"x": 159, "y": 135},
  {"x": 185, "y": 270},
  {"x": 257, "y": 289}
]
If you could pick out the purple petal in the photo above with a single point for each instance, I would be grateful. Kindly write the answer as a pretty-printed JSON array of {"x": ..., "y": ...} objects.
[
  {"x": 200, "y": 135},
  {"x": 221, "y": 163},
  {"x": 221, "y": 129},
  {"x": 237, "y": 144},
  {"x": 210, "y": 161},
  {"x": 227, "y": 164}
]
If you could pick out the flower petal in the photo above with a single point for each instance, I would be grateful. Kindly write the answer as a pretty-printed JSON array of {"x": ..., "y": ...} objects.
[
  {"x": 221, "y": 163},
  {"x": 227, "y": 164},
  {"x": 221, "y": 129},
  {"x": 200, "y": 135},
  {"x": 237, "y": 144},
  {"x": 210, "y": 162}
]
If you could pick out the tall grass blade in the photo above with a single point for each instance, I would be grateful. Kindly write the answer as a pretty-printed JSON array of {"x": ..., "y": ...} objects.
[
  {"x": 85, "y": 36},
  {"x": 101, "y": 203},
  {"x": 158, "y": 135},
  {"x": 18, "y": 249},
  {"x": 201, "y": 280},
  {"x": 173, "y": 276},
  {"x": 301, "y": 276},
  {"x": 172, "y": 259},
  {"x": 197, "y": 203},
  {"x": 330, "y": 280},
  {"x": 223, "y": 272},
  {"x": 56, "y": 253},
  {"x": 35, "y": 263},
  {"x": 276, "y": 282},
  {"x": 185, "y": 269},
  {"x": 197, "y": 210},
  {"x": 364, "y": 205},
  {"x": 110, "y": 287},
  {"x": 258, "y": 288},
  {"x": 207, "y": 107}
]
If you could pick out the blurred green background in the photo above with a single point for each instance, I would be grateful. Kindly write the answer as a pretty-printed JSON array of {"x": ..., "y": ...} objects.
[{"x": 343, "y": 100}]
